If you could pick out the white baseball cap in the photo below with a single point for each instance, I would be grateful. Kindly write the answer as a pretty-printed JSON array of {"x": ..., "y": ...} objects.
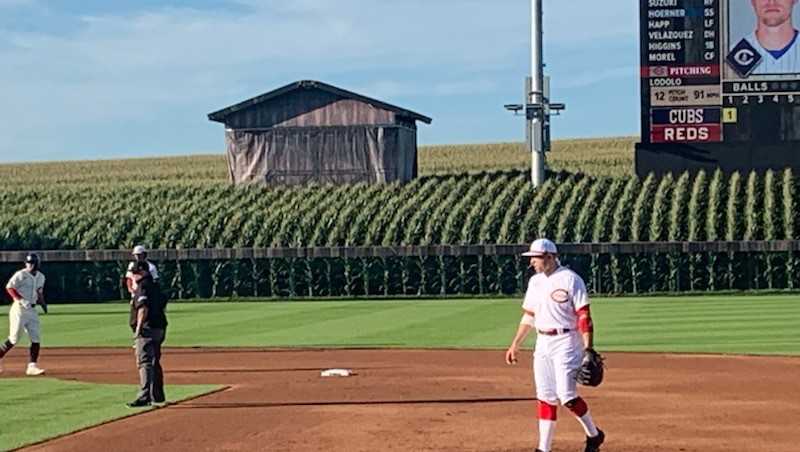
[
  {"x": 139, "y": 249},
  {"x": 540, "y": 247}
]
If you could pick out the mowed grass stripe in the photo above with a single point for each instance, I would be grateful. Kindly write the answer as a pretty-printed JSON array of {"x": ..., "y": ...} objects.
[
  {"x": 729, "y": 324},
  {"x": 697, "y": 322},
  {"x": 379, "y": 324},
  {"x": 699, "y": 303},
  {"x": 277, "y": 324},
  {"x": 485, "y": 324},
  {"x": 722, "y": 324},
  {"x": 703, "y": 316}
]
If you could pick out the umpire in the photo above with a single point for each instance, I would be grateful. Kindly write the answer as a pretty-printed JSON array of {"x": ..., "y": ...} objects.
[{"x": 149, "y": 324}]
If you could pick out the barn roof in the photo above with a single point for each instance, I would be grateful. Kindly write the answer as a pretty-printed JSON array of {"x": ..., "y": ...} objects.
[{"x": 220, "y": 115}]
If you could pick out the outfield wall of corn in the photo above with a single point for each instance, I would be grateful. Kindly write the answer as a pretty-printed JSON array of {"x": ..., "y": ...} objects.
[{"x": 465, "y": 208}]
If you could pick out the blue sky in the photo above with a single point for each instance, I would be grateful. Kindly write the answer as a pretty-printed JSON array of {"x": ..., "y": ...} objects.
[{"x": 91, "y": 79}]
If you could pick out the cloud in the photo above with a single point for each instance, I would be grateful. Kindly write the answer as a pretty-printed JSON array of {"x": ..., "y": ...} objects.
[
  {"x": 298, "y": 36},
  {"x": 172, "y": 54},
  {"x": 106, "y": 71}
]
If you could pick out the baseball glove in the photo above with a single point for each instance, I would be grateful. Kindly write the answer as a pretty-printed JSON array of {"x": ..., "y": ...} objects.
[{"x": 591, "y": 371}]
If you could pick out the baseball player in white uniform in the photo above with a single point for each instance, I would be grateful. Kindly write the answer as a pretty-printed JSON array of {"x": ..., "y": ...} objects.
[
  {"x": 775, "y": 37},
  {"x": 26, "y": 288},
  {"x": 556, "y": 305}
]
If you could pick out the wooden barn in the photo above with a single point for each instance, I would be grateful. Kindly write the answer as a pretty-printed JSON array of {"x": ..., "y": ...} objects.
[{"x": 309, "y": 131}]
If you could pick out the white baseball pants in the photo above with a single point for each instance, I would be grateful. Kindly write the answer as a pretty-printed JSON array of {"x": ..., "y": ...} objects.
[
  {"x": 19, "y": 319},
  {"x": 556, "y": 360}
]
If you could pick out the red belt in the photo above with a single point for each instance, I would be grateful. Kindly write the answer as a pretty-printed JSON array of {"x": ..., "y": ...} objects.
[{"x": 554, "y": 332}]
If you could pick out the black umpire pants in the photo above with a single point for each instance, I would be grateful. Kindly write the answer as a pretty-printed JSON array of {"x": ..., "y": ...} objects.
[{"x": 148, "y": 359}]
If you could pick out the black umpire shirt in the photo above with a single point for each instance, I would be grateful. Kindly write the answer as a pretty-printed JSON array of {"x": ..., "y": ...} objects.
[{"x": 148, "y": 295}]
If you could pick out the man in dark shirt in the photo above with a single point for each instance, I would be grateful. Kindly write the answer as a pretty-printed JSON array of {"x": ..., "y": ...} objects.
[{"x": 149, "y": 324}]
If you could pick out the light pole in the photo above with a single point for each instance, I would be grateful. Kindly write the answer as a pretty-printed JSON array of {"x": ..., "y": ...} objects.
[
  {"x": 536, "y": 100},
  {"x": 537, "y": 106}
]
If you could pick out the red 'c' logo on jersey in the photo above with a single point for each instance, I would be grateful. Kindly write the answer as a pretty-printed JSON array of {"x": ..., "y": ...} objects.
[{"x": 559, "y": 296}]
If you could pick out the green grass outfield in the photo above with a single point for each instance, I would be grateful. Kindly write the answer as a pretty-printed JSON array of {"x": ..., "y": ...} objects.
[
  {"x": 757, "y": 324},
  {"x": 41, "y": 408}
]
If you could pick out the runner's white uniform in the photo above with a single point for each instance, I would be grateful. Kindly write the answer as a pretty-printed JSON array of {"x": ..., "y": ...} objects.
[
  {"x": 22, "y": 314},
  {"x": 788, "y": 63},
  {"x": 554, "y": 300}
]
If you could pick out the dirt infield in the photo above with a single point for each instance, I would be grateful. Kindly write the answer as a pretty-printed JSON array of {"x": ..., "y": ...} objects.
[{"x": 436, "y": 400}]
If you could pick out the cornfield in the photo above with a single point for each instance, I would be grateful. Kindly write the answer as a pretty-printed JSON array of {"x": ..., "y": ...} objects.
[
  {"x": 471, "y": 208},
  {"x": 596, "y": 157}
]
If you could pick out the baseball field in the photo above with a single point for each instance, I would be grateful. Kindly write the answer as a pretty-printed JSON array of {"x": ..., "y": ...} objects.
[
  {"x": 707, "y": 373},
  {"x": 689, "y": 373}
]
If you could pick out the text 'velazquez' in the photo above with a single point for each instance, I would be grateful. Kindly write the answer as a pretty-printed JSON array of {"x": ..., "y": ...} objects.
[{"x": 672, "y": 34}]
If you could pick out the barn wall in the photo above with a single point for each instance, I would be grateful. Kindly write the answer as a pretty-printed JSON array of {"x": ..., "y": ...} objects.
[{"x": 298, "y": 155}]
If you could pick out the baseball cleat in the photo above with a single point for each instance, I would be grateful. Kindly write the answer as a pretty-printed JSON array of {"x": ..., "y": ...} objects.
[
  {"x": 33, "y": 370},
  {"x": 593, "y": 442},
  {"x": 138, "y": 403}
]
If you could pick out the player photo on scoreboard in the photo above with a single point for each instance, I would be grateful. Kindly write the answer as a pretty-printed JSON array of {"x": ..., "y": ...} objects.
[{"x": 763, "y": 37}]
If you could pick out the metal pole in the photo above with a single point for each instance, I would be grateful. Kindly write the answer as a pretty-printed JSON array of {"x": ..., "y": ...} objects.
[
  {"x": 536, "y": 96},
  {"x": 526, "y": 98},
  {"x": 546, "y": 118}
]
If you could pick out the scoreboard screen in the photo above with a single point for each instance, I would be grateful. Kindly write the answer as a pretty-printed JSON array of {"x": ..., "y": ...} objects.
[{"x": 720, "y": 71}]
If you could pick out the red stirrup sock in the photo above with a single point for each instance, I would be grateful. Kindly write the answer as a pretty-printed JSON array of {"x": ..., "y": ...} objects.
[
  {"x": 581, "y": 411},
  {"x": 547, "y": 425}
]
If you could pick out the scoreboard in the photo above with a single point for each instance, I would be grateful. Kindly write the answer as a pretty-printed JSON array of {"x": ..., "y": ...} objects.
[{"x": 719, "y": 78}]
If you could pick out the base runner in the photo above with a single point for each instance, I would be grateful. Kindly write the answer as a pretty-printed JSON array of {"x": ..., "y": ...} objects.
[{"x": 26, "y": 288}]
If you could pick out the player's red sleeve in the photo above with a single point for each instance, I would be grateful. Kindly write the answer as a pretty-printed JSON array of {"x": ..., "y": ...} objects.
[
  {"x": 585, "y": 320},
  {"x": 13, "y": 292}
]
